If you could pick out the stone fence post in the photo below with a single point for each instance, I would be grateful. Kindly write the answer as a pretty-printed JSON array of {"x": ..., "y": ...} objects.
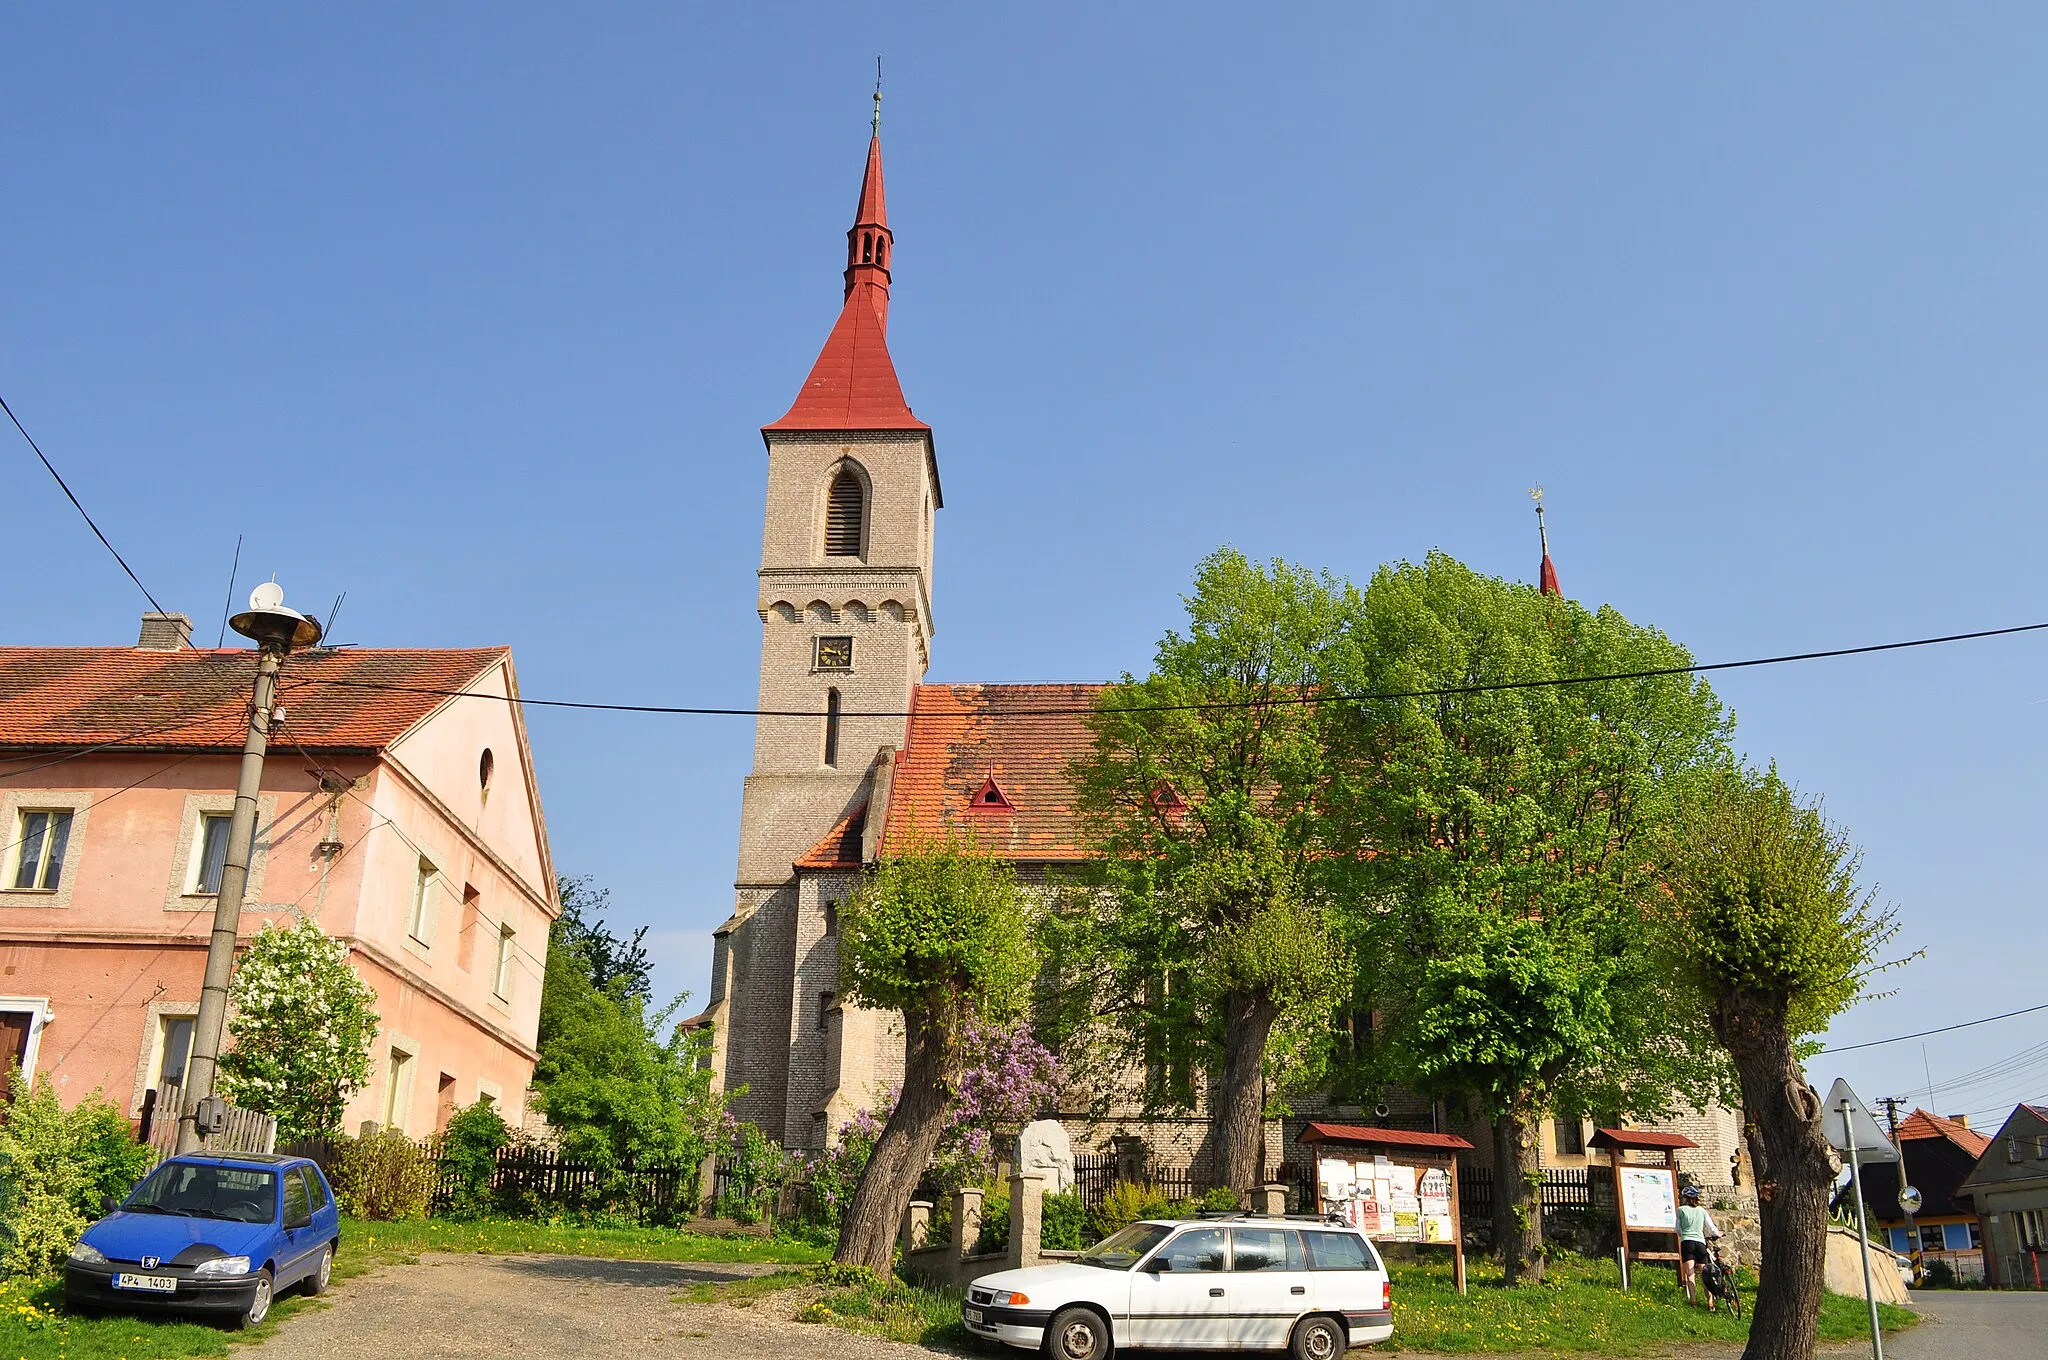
[
  {"x": 1027, "y": 1212},
  {"x": 917, "y": 1225},
  {"x": 707, "y": 1185},
  {"x": 966, "y": 1227},
  {"x": 1270, "y": 1198}
]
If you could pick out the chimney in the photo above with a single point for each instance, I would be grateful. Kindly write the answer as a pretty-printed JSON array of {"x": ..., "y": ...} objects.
[
  {"x": 164, "y": 633},
  {"x": 1962, "y": 1119}
]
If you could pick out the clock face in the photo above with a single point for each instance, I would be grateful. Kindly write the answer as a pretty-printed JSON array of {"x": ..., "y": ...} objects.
[{"x": 835, "y": 653}]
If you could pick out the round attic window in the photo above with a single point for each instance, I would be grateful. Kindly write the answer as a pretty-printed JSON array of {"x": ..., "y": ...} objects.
[{"x": 484, "y": 765}]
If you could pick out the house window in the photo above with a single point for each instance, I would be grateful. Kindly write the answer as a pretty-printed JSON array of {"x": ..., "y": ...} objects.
[
  {"x": 40, "y": 837},
  {"x": 831, "y": 727},
  {"x": 1571, "y": 1137},
  {"x": 398, "y": 1075},
  {"x": 2014, "y": 1150},
  {"x": 213, "y": 851},
  {"x": 845, "y": 513},
  {"x": 826, "y": 1000},
  {"x": 173, "y": 1049},
  {"x": 420, "y": 920},
  {"x": 835, "y": 654},
  {"x": 501, "y": 976}
]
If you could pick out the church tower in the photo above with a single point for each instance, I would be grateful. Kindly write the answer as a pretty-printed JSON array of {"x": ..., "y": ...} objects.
[{"x": 846, "y": 628}]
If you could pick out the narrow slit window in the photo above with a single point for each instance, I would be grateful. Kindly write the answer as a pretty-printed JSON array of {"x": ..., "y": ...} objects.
[
  {"x": 845, "y": 515},
  {"x": 831, "y": 727}
]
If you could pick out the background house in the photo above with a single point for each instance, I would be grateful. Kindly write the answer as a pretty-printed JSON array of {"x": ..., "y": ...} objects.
[
  {"x": 2009, "y": 1186},
  {"x": 407, "y": 823},
  {"x": 1936, "y": 1154}
]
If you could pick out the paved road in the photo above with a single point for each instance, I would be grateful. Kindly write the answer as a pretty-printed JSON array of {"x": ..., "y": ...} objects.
[
  {"x": 451, "y": 1307},
  {"x": 1975, "y": 1325}
]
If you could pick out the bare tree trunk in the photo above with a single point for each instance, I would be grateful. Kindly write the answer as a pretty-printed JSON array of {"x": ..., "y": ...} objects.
[
  {"x": 1239, "y": 1110},
  {"x": 867, "y": 1237},
  {"x": 1518, "y": 1196},
  {"x": 1794, "y": 1176}
]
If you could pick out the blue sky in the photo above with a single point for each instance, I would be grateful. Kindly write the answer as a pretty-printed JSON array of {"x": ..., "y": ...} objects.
[{"x": 474, "y": 314}]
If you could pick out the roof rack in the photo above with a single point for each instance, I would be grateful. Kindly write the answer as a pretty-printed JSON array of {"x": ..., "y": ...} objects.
[{"x": 1261, "y": 1214}]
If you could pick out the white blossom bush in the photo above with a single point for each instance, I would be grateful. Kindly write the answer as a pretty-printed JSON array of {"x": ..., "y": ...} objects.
[{"x": 302, "y": 1027}]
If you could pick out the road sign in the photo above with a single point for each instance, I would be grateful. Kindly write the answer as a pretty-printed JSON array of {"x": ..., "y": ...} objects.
[
  {"x": 1847, "y": 1126},
  {"x": 1909, "y": 1199}
]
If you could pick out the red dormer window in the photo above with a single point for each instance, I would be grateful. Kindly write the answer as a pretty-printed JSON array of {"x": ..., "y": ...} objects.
[
  {"x": 990, "y": 797},
  {"x": 1166, "y": 799}
]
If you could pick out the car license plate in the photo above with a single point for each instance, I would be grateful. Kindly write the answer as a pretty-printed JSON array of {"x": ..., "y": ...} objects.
[
  {"x": 155, "y": 1284},
  {"x": 973, "y": 1315}
]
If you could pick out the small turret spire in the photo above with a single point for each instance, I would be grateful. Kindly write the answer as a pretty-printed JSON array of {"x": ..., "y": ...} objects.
[
  {"x": 870, "y": 244},
  {"x": 1546, "y": 576}
]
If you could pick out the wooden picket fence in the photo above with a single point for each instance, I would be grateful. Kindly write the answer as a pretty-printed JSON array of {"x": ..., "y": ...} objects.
[{"x": 246, "y": 1130}]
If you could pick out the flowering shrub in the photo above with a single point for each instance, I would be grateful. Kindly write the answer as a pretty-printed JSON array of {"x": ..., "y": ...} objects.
[
  {"x": 302, "y": 1029},
  {"x": 834, "y": 1174},
  {"x": 56, "y": 1165},
  {"x": 1009, "y": 1078},
  {"x": 755, "y": 1170}
]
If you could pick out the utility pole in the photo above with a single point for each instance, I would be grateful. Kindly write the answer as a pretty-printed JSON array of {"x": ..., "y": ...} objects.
[
  {"x": 1891, "y": 1113},
  {"x": 276, "y": 631}
]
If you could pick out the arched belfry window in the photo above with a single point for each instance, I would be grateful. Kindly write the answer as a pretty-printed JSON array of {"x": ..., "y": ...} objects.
[
  {"x": 867, "y": 247},
  {"x": 845, "y": 514}
]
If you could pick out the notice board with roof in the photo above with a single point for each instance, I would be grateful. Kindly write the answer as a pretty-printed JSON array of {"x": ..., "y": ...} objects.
[
  {"x": 1395, "y": 1185},
  {"x": 1645, "y": 1193}
]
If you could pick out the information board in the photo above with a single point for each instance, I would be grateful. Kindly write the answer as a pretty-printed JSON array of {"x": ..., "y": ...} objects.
[
  {"x": 1649, "y": 1199},
  {"x": 1389, "y": 1201}
]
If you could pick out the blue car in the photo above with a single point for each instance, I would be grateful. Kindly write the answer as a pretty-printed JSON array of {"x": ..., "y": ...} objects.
[{"x": 210, "y": 1233}]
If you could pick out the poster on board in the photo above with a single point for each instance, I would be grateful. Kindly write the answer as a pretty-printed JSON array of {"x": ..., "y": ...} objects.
[
  {"x": 1435, "y": 1193},
  {"x": 1388, "y": 1201},
  {"x": 1649, "y": 1199}
]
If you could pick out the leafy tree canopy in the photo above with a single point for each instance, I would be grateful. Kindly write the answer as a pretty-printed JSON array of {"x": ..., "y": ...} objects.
[{"x": 609, "y": 959}]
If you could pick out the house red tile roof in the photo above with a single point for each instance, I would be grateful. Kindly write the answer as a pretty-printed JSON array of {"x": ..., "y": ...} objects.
[
  {"x": 59, "y": 697},
  {"x": 1373, "y": 1137},
  {"x": 840, "y": 848},
  {"x": 1921, "y": 1124},
  {"x": 961, "y": 735},
  {"x": 1639, "y": 1139}
]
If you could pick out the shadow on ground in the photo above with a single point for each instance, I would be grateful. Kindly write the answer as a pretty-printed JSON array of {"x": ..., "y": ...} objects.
[{"x": 647, "y": 1274}]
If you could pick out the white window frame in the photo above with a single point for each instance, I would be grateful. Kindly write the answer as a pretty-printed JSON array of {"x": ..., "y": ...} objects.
[
  {"x": 400, "y": 1063},
  {"x": 508, "y": 952},
  {"x": 419, "y": 921},
  {"x": 18, "y": 850},
  {"x": 12, "y": 805},
  {"x": 195, "y": 862},
  {"x": 182, "y": 890},
  {"x": 39, "y": 1015}
]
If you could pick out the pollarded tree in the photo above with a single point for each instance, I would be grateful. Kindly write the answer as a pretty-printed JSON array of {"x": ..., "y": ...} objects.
[
  {"x": 1203, "y": 944},
  {"x": 940, "y": 933},
  {"x": 302, "y": 1025},
  {"x": 1768, "y": 931},
  {"x": 1499, "y": 847}
]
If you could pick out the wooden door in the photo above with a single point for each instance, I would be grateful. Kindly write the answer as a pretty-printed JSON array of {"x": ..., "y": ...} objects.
[{"x": 14, "y": 1028}]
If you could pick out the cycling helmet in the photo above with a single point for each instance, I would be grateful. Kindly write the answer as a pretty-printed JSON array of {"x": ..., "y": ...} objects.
[{"x": 1690, "y": 1194}]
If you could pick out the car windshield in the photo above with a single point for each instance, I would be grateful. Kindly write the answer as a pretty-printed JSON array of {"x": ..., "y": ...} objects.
[
  {"x": 201, "y": 1190},
  {"x": 1125, "y": 1247}
]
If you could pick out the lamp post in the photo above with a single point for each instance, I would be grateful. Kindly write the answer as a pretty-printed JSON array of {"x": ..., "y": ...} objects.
[{"x": 276, "y": 631}]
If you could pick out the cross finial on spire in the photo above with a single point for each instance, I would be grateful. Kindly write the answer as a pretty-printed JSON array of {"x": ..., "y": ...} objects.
[{"x": 878, "y": 96}]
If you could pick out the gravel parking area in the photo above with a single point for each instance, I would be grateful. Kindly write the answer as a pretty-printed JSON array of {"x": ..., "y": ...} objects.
[{"x": 568, "y": 1306}]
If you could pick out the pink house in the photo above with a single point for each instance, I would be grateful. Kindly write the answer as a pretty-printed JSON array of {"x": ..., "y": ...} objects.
[{"x": 399, "y": 810}]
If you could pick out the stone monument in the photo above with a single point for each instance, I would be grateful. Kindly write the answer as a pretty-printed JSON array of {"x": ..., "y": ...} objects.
[{"x": 1043, "y": 1151}]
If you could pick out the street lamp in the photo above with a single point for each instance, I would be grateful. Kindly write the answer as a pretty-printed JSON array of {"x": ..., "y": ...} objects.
[{"x": 276, "y": 631}]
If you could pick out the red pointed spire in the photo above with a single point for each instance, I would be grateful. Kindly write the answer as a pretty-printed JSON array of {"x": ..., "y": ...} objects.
[
  {"x": 1546, "y": 575},
  {"x": 853, "y": 386}
]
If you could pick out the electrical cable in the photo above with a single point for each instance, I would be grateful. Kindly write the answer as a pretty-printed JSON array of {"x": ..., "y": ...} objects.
[
  {"x": 1285, "y": 700},
  {"x": 187, "y": 719},
  {"x": 1922, "y": 1034},
  {"x": 68, "y": 494},
  {"x": 5, "y": 850}
]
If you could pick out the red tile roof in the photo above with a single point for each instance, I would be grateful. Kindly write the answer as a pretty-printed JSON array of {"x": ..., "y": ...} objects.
[
  {"x": 1921, "y": 1124},
  {"x": 962, "y": 735},
  {"x": 1644, "y": 1139},
  {"x": 853, "y": 386},
  {"x": 198, "y": 698},
  {"x": 1372, "y": 1137},
  {"x": 840, "y": 848}
]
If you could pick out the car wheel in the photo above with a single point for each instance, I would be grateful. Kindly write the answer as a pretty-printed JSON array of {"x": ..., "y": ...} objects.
[
  {"x": 259, "y": 1303},
  {"x": 1077, "y": 1334},
  {"x": 1319, "y": 1338},
  {"x": 316, "y": 1283}
]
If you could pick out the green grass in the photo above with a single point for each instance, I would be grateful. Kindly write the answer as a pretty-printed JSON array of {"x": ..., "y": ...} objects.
[
  {"x": 34, "y": 1325},
  {"x": 1581, "y": 1309},
  {"x": 858, "y": 1301}
]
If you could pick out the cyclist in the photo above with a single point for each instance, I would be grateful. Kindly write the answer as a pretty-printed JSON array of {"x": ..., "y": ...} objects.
[{"x": 1696, "y": 1228}]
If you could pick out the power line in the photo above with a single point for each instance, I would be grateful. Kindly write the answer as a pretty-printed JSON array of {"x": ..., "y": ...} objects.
[
  {"x": 1276, "y": 701},
  {"x": 1922, "y": 1034},
  {"x": 66, "y": 488},
  {"x": 5, "y": 850}
]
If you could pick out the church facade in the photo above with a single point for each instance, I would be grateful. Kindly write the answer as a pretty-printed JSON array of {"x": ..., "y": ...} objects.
[{"x": 853, "y": 752}]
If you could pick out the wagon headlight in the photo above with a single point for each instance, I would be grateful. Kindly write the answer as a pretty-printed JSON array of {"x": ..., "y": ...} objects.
[
  {"x": 1012, "y": 1300},
  {"x": 86, "y": 1254},
  {"x": 223, "y": 1265}
]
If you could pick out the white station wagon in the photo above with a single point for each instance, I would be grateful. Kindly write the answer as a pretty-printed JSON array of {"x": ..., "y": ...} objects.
[{"x": 1239, "y": 1282}]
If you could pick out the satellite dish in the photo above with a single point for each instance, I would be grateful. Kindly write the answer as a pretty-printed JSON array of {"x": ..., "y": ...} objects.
[
  {"x": 267, "y": 596},
  {"x": 1909, "y": 1199}
]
